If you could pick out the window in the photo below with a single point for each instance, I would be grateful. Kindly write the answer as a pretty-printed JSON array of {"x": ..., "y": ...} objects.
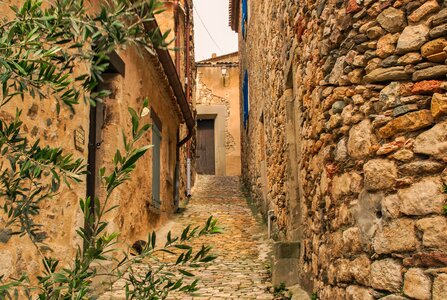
[
  {"x": 246, "y": 98},
  {"x": 156, "y": 149}
]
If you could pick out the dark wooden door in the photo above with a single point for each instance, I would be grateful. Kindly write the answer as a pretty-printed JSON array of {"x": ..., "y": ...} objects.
[{"x": 205, "y": 147}]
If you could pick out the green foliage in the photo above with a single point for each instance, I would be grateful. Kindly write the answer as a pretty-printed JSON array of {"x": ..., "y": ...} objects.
[
  {"x": 281, "y": 292},
  {"x": 42, "y": 46},
  {"x": 314, "y": 296},
  {"x": 31, "y": 175},
  {"x": 58, "y": 52}
]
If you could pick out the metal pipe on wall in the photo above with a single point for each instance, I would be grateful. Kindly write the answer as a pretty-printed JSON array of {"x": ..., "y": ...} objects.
[{"x": 188, "y": 89}]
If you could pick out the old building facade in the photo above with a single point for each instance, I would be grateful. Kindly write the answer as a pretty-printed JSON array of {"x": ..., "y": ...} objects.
[
  {"x": 343, "y": 140},
  {"x": 94, "y": 134},
  {"x": 218, "y": 148}
]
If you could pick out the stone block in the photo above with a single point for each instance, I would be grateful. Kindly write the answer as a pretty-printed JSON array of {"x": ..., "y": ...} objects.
[
  {"x": 396, "y": 236},
  {"x": 355, "y": 292},
  {"x": 390, "y": 95},
  {"x": 438, "y": 31},
  {"x": 434, "y": 72},
  {"x": 409, "y": 122},
  {"x": 440, "y": 287},
  {"x": 391, "y": 205},
  {"x": 433, "y": 47},
  {"x": 352, "y": 242},
  {"x": 393, "y": 297},
  {"x": 422, "y": 198},
  {"x": 412, "y": 38},
  {"x": 423, "y": 11},
  {"x": 360, "y": 140},
  {"x": 410, "y": 58},
  {"x": 427, "y": 259},
  {"x": 417, "y": 284},
  {"x": 387, "y": 74},
  {"x": 360, "y": 269},
  {"x": 433, "y": 141},
  {"x": 286, "y": 250},
  {"x": 343, "y": 271},
  {"x": 298, "y": 293},
  {"x": 285, "y": 271},
  {"x": 403, "y": 109},
  {"x": 285, "y": 263},
  {"x": 6, "y": 263},
  {"x": 438, "y": 105},
  {"x": 426, "y": 87},
  {"x": 386, "y": 45},
  {"x": 402, "y": 155},
  {"x": 421, "y": 167},
  {"x": 434, "y": 231},
  {"x": 380, "y": 174},
  {"x": 345, "y": 184},
  {"x": 392, "y": 20},
  {"x": 386, "y": 275}
]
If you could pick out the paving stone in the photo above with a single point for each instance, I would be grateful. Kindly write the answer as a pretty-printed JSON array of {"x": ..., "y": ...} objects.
[{"x": 240, "y": 271}]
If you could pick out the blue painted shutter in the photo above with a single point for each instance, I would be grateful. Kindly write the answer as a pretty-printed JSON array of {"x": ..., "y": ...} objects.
[
  {"x": 245, "y": 95},
  {"x": 244, "y": 16}
]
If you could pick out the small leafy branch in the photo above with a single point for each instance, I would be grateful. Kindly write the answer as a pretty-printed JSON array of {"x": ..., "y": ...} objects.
[
  {"x": 41, "y": 48},
  {"x": 31, "y": 175},
  {"x": 159, "y": 279},
  {"x": 59, "y": 52}
]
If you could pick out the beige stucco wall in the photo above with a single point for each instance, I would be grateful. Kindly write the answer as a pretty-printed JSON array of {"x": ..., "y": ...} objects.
[
  {"x": 211, "y": 91},
  {"x": 135, "y": 216}
]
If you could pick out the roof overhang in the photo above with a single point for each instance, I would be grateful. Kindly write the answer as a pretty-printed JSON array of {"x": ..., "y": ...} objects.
[
  {"x": 167, "y": 68},
  {"x": 234, "y": 14}
]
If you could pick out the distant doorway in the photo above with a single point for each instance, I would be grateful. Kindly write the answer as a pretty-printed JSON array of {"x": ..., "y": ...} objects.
[{"x": 206, "y": 163}]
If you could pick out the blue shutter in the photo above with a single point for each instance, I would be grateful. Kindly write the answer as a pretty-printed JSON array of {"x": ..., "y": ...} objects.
[
  {"x": 244, "y": 16},
  {"x": 245, "y": 95}
]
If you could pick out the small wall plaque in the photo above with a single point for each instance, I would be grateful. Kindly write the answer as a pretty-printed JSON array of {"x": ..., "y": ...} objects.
[{"x": 79, "y": 139}]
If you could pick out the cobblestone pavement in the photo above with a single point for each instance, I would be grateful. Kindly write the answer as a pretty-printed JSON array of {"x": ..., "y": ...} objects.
[{"x": 240, "y": 271}]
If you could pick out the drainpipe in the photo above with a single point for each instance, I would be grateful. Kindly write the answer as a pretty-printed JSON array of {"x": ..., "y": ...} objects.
[
  {"x": 177, "y": 35},
  {"x": 188, "y": 90}
]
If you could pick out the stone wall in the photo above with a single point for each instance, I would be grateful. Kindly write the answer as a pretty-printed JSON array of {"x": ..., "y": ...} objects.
[{"x": 351, "y": 97}]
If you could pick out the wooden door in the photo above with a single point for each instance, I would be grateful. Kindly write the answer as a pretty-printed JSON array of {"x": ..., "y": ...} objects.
[
  {"x": 95, "y": 147},
  {"x": 156, "y": 142},
  {"x": 205, "y": 147}
]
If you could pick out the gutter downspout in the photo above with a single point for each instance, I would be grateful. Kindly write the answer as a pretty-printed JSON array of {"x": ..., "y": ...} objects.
[
  {"x": 188, "y": 91},
  {"x": 177, "y": 36}
]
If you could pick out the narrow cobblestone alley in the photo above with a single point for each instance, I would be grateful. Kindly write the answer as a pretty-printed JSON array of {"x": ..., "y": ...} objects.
[{"x": 241, "y": 269}]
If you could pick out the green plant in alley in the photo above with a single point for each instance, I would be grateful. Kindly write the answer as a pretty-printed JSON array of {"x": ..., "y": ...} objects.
[
  {"x": 59, "y": 53},
  {"x": 280, "y": 292}
]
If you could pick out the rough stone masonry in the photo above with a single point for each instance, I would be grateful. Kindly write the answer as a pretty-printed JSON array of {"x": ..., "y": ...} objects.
[{"x": 351, "y": 96}]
